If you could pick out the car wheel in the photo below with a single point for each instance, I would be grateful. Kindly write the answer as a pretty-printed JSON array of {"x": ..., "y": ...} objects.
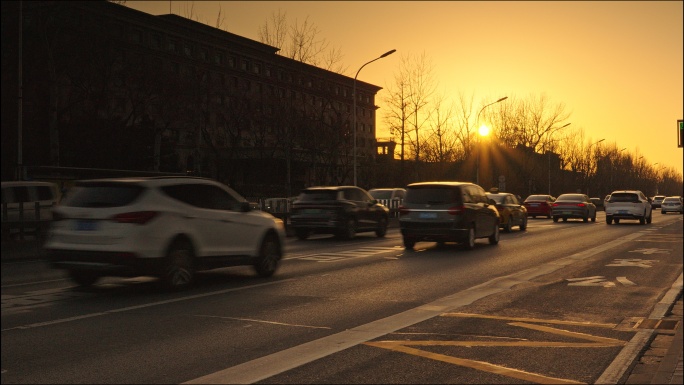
[
  {"x": 609, "y": 220},
  {"x": 470, "y": 240},
  {"x": 593, "y": 219},
  {"x": 494, "y": 238},
  {"x": 662, "y": 211},
  {"x": 555, "y": 219},
  {"x": 302, "y": 234},
  {"x": 523, "y": 225},
  {"x": 649, "y": 219},
  {"x": 179, "y": 272},
  {"x": 349, "y": 231},
  {"x": 534, "y": 217},
  {"x": 548, "y": 217},
  {"x": 565, "y": 219},
  {"x": 84, "y": 278},
  {"x": 508, "y": 227},
  {"x": 616, "y": 220},
  {"x": 382, "y": 228},
  {"x": 585, "y": 219},
  {"x": 409, "y": 243},
  {"x": 642, "y": 220},
  {"x": 269, "y": 256}
]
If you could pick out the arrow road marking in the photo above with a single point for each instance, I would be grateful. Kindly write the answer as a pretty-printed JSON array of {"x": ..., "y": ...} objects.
[{"x": 645, "y": 263}]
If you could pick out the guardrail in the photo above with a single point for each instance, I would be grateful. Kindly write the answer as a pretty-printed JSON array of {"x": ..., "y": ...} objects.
[{"x": 20, "y": 221}]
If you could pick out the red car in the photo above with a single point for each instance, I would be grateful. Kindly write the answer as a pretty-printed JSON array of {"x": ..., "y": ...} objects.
[{"x": 539, "y": 205}]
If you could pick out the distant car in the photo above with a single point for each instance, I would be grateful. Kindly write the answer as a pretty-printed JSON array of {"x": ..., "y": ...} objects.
[
  {"x": 539, "y": 205},
  {"x": 340, "y": 210},
  {"x": 390, "y": 197},
  {"x": 447, "y": 212},
  {"x": 628, "y": 204},
  {"x": 672, "y": 204},
  {"x": 511, "y": 212},
  {"x": 573, "y": 206},
  {"x": 169, "y": 227},
  {"x": 598, "y": 202},
  {"x": 656, "y": 201}
]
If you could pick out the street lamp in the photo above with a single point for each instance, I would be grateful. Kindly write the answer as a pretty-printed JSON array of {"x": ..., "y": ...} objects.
[
  {"x": 354, "y": 104},
  {"x": 549, "y": 156},
  {"x": 477, "y": 121}
]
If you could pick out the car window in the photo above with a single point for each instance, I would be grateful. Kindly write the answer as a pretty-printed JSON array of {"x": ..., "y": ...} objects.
[
  {"x": 624, "y": 197},
  {"x": 102, "y": 195},
  {"x": 478, "y": 194},
  {"x": 434, "y": 195},
  {"x": 498, "y": 198},
  {"x": 202, "y": 195},
  {"x": 571, "y": 198},
  {"x": 317, "y": 195}
]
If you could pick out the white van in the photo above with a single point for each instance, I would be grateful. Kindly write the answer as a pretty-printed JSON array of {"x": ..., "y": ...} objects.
[{"x": 27, "y": 204}]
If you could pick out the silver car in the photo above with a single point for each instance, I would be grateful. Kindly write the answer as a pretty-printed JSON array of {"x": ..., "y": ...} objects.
[
  {"x": 573, "y": 206},
  {"x": 671, "y": 205}
]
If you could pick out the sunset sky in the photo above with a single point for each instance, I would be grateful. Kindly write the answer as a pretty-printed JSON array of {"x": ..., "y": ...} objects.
[{"x": 616, "y": 65}]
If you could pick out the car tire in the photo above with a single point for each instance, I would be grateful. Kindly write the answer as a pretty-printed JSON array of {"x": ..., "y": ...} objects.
[
  {"x": 663, "y": 212},
  {"x": 382, "y": 227},
  {"x": 534, "y": 217},
  {"x": 84, "y": 278},
  {"x": 179, "y": 270},
  {"x": 585, "y": 219},
  {"x": 523, "y": 225},
  {"x": 349, "y": 231},
  {"x": 469, "y": 243},
  {"x": 508, "y": 227},
  {"x": 593, "y": 219},
  {"x": 409, "y": 243},
  {"x": 642, "y": 220},
  {"x": 302, "y": 234},
  {"x": 494, "y": 238},
  {"x": 649, "y": 219},
  {"x": 565, "y": 219},
  {"x": 269, "y": 256},
  {"x": 616, "y": 220},
  {"x": 555, "y": 219},
  {"x": 548, "y": 217}
]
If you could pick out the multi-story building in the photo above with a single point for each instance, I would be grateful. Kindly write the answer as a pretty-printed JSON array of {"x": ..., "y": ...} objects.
[{"x": 107, "y": 86}]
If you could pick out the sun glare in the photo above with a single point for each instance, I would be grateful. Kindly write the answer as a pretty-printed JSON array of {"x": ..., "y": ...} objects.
[{"x": 484, "y": 130}]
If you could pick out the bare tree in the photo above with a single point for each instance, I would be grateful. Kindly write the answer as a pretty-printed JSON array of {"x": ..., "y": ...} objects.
[
  {"x": 301, "y": 42},
  {"x": 421, "y": 86}
]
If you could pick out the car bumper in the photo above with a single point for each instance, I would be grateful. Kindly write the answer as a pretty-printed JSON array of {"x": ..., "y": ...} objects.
[
  {"x": 109, "y": 262},
  {"x": 433, "y": 232}
]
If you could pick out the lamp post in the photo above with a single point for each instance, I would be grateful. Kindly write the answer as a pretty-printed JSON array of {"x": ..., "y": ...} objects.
[
  {"x": 477, "y": 121},
  {"x": 548, "y": 153},
  {"x": 354, "y": 103}
]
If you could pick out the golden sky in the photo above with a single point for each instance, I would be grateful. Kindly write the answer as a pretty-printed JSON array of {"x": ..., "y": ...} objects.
[{"x": 616, "y": 65}]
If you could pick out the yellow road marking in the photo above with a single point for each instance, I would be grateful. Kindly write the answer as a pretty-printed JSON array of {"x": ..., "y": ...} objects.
[{"x": 593, "y": 342}]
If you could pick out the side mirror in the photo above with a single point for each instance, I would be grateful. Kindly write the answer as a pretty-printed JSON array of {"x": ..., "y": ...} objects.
[{"x": 245, "y": 207}]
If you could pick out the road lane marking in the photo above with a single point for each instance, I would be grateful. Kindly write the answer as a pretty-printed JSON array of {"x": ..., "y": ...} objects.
[
  {"x": 262, "y": 321},
  {"x": 281, "y": 361}
]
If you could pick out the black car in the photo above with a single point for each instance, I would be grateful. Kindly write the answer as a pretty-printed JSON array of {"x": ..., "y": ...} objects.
[
  {"x": 448, "y": 212},
  {"x": 339, "y": 210}
]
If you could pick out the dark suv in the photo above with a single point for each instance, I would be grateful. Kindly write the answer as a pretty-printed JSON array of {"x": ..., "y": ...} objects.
[
  {"x": 448, "y": 212},
  {"x": 339, "y": 210}
]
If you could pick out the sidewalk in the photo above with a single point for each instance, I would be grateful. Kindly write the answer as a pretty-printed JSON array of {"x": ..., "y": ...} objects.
[{"x": 661, "y": 360}]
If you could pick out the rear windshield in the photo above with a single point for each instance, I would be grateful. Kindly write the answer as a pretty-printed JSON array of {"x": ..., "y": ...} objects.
[
  {"x": 624, "y": 197},
  {"x": 671, "y": 199},
  {"x": 498, "y": 198},
  {"x": 433, "y": 195},
  {"x": 317, "y": 195},
  {"x": 570, "y": 198},
  {"x": 536, "y": 198},
  {"x": 381, "y": 194},
  {"x": 101, "y": 195}
]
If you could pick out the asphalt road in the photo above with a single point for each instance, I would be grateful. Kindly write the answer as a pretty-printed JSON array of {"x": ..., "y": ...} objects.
[{"x": 557, "y": 303}]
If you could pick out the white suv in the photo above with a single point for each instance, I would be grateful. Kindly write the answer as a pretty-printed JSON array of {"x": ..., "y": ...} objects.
[
  {"x": 628, "y": 204},
  {"x": 168, "y": 227}
]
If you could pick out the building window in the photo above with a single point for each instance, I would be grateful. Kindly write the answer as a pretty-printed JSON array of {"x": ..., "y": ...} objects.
[
  {"x": 231, "y": 62},
  {"x": 204, "y": 54},
  {"x": 244, "y": 65},
  {"x": 137, "y": 36},
  {"x": 173, "y": 45},
  {"x": 256, "y": 69},
  {"x": 267, "y": 71},
  {"x": 156, "y": 41},
  {"x": 187, "y": 50},
  {"x": 218, "y": 58}
]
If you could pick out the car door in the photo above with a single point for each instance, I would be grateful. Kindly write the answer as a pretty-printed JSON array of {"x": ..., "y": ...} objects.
[{"x": 486, "y": 220}]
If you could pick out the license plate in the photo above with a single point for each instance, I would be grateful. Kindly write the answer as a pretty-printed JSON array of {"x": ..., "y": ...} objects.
[
  {"x": 86, "y": 225},
  {"x": 427, "y": 215},
  {"x": 622, "y": 212},
  {"x": 567, "y": 212},
  {"x": 534, "y": 204}
]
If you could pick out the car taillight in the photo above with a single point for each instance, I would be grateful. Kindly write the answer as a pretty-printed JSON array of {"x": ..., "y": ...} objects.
[
  {"x": 403, "y": 210},
  {"x": 581, "y": 205},
  {"x": 456, "y": 210},
  {"x": 555, "y": 204},
  {"x": 137, "y": 217}
]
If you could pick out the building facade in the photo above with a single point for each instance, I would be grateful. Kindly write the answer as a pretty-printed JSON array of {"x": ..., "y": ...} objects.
[{"x": 106, "y": 86}]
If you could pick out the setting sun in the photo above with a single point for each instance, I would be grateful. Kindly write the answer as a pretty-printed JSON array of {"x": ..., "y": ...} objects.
[{"x": 483, "y": 130}]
